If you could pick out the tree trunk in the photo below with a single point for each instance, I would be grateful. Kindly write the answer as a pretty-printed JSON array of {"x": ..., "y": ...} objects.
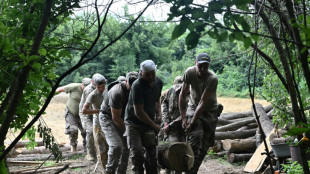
[
  {"x": 264, "y": 119},
  {"x": 235, "y": 126},
  {"x": 233, "y": 157},
  {"x": 235, "y": 134},
  {"x": 177, "y": 156},
  {"x": 239, "y": 145}
]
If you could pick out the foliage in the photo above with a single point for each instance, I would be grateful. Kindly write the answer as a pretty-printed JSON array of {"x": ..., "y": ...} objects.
[
  {"x": 293, "y": 168},
  {"x": 30, "y": 135}
]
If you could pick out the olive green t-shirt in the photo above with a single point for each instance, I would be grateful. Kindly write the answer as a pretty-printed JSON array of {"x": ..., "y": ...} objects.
[
  {"x": 197, "y": 86},
  {"x": 75, "y": 92},
  {"x": 95, "y": 98},
  {"x": 87, "y": 90}
]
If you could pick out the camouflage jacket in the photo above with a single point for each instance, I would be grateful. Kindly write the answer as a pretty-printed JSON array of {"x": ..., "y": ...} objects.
[{"x": 170, "y": 109}]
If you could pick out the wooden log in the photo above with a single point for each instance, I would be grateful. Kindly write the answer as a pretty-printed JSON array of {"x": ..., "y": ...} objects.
[
  {"x": 40, "y": 157},
  {"x": 235, "y": 134},
  {"x": 249, "y": 126},
  {"x": 233, "y": 157},
  {"x": 265, "y": 121},
  {"x": 43, "y": 150},
  {"x": 21, "y": 144},
  {"x": 46, "y": 169},
  {"x": 235, "y": 126},
  {"x": 259, "y": 138},
  {"x": 232, "y": 116},
  {"x": 223, "y": 121},
  {"x": 177, "y": 156},
  {"x": 239, "y": 145},
  {"x": 222, "y": 153}
]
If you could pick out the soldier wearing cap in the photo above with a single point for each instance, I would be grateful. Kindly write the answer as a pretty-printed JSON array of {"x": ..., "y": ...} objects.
[
  {"x": 92, "y": 106},
  {"x": 142, "y": 119},
  {"x": 201, "y": 115},
  {"x": 87, "y": 122},
  {"x": 73, "y": 121},
  {"x": 112, "y": 123},
  {"x": 171, "y": 115}
]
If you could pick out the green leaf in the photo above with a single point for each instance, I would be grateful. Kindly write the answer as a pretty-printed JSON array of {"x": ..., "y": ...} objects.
[
  {"x": 42, "y": 51},
  {"x": 198, "y": 13},
  {"x": 227, "y": 19},
  {"x": 254, "y": 37},
  {"x": 238, "y": 35},
  {"x": 247, "y": 42},
  {"x": 36, "y": 66},
  {"x": 245, "y": 26},
  {"x": 231, "y": 37},
  {"x": 181, "y": 28},
  {"x": 241, "y": 2},
  {"x": 192, "y": 39}
]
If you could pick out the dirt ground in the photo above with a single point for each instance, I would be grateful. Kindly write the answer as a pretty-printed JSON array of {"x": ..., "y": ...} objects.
[{"x": 211, "y": 165}]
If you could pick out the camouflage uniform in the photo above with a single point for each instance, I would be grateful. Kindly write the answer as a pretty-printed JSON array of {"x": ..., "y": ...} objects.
[
  {"x": 171, "y": 113},
  {"x": 87, "y": 122},
  {"x": 96, "y": 98},
  {"x": 202, "y": 133},
  {"x": 73, "y": 121}
]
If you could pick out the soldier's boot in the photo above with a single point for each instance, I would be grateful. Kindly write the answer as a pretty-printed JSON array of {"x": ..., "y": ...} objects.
[
  {"x": 90, "y": 158},
  {"x": 73, "y": 148}
]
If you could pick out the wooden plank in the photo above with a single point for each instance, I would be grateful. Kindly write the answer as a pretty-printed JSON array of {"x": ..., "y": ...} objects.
[{"x": 257, "y": 160}]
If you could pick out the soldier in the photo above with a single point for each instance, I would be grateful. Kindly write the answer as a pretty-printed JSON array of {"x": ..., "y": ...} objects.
[
  {"x": 201, "y": 116},
  {"x": 112, "y": 123},
  {"x": 73, "y": 121},
  {"x": 92, "y": 106},
  {"x": 171, "y": 116},
  {"x": 87, "y": 122},
  {"x": 142, "y": 119}
]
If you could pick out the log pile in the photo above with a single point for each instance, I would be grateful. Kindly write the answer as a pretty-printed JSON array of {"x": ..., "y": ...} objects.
[
  {"x": 21, "y": 156},
  {"x": 237, "y": 135}
]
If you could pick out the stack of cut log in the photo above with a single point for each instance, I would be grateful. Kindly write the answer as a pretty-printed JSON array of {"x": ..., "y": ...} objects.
[
  {"x": 237, "y": 135},
  {"x": 21, "y": 153}
]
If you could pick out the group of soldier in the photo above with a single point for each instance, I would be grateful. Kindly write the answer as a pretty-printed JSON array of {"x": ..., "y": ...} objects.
[{"x": 123, "y": 118}]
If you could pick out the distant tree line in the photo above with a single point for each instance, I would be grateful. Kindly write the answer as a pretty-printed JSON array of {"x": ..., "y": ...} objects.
[{"x": 152, "y": 40}]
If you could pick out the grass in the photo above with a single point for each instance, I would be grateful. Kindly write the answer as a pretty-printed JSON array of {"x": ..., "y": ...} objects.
[{"x": 55, "y": 119}]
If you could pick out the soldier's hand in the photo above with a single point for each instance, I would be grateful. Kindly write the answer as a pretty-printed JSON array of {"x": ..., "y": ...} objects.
[
  {"x": 188, "y": 128},
  {"x": 184, "y": 122},
  {"x": 166, "y": 128}
]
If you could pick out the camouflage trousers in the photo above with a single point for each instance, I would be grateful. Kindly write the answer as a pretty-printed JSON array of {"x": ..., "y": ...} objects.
[
  {"x": 118, "y": 153},
  {"x": 73, "y": 124},
  {"x": 100, "y": 144},
  {"x": 87, "y": 123},
  {"x": 139, "y": 153},
  {"x": 202, "y": 137}
]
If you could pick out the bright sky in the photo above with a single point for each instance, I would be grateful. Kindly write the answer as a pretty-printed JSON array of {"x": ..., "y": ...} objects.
[{"x": 158, "y": 11}]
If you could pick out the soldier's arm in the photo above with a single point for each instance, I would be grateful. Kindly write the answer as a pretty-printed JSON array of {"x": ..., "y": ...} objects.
[
  {"x": 59, "y": 90},
  {"x": 203, "y": 100},
  {"x": 116, "y": 116},
  {"x": 158, "y": 112},
  {"x": 143, "y": 116},
  {"x": 87, "y": 109},
  {"x": 182, "y": 103}
]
